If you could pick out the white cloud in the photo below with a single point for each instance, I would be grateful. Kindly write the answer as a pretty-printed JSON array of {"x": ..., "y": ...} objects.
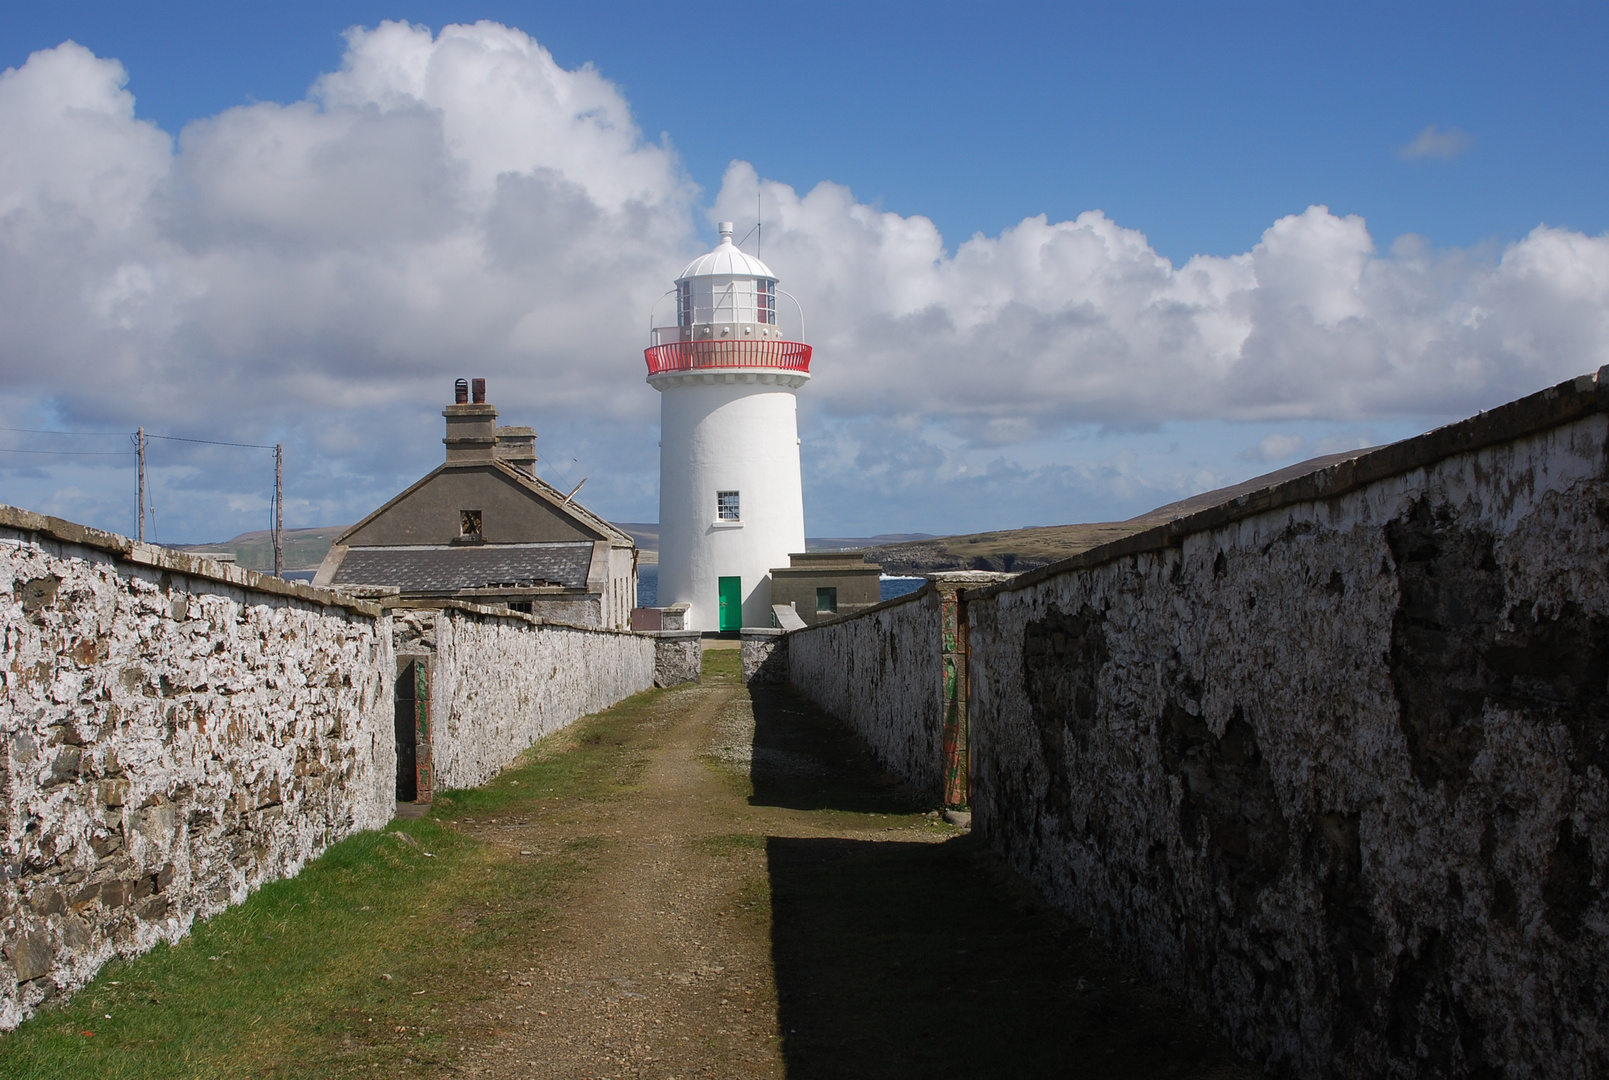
[
  {"x": 1054, "y": 324},
  {"x": 1433, "y": 142},
  {"x": 448, "y": 201},
  {"x": 458, "y": 204}
]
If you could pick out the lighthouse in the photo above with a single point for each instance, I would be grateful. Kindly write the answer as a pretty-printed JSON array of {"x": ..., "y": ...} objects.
[{"x": 731, "y": 506}]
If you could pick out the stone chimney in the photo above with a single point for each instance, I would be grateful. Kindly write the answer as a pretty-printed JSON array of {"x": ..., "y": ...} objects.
[
  {"x": 517, "y": 447},
  {"x": 471, "y": 427}
]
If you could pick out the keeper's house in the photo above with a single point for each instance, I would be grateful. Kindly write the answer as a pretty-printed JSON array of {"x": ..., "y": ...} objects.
[{"x": 483, "y": 527}]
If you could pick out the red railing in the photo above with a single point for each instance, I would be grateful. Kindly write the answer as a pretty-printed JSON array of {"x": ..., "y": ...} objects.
[{"x": 698, "y": 355}]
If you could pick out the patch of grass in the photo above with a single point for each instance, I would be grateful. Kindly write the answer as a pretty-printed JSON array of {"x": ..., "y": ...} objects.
[
  {"x": 722, "y": 667},
  {"x": 753, "y": 901},
  {"x": 585, "y": 843},
  {"x": 292, "y": 983},
  {"x": 729, "y": 844},
  {"x": 590, "y": 759}
]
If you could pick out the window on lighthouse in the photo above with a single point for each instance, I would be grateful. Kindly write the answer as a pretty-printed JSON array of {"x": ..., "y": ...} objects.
[
  {"x": 726, "y": 508},
  {"x": 684, "y": 304},
  {"x": 734, "y": 302},
  {"x": 766, "y": 302}
]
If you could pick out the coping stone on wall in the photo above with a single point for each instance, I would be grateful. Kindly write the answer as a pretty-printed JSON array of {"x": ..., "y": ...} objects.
[
  {"x": 908, "y": 598},
  {"x": 161, "y": 558},
  {"x": 497, "y": 612},
  {"x": 765, "y": 654},
  {"x": 678, "y": 656},
  {"x": 1549, "y": 408}
]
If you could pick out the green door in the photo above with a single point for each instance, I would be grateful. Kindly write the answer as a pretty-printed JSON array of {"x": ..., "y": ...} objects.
[{"x": 731, "y": 603}]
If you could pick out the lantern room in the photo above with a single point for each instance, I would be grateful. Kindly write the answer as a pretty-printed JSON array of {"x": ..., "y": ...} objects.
[
  {"x": 726, "y": 294},
  {"x": 727, "y": 317}
]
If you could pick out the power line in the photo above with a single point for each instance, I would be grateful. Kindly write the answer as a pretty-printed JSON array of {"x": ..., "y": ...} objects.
[
  {"x": 75, "y": 453},
  {"x": 45, "y": 431},
  {"x": 168, "y": 438},
  {"x": 147, "y": 503},
  {"x": 209, "y": 442}
]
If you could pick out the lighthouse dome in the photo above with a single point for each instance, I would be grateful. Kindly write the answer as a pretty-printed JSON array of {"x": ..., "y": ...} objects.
[
  {"x": 727, "y": 260},
  {"x": 727, "y": 293}
]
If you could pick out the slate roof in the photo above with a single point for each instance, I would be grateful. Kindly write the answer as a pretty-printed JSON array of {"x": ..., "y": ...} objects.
[{"x": 447, "y": 570}]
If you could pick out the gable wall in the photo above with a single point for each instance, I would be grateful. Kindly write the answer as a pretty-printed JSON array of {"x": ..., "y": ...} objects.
[{"x": 430, "y": 515}]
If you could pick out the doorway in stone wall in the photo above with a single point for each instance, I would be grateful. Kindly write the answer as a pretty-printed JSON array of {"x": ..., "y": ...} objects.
[{"x": 412, "y": 730}]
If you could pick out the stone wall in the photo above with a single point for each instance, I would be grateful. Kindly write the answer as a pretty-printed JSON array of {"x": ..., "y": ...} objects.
[
  {"x": 763, "y": 655},
  {"x": 1336, "y": 767},
  {"x": 499, "y": 681},
  {"x": 881, "y": 672},
  {"x": 1330, "y": 758},
  {"x": 678, "y": 657},
  {"x": 175, "y": 733}
]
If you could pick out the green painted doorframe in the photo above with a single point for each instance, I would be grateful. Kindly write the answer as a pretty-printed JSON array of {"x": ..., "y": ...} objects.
[{"x": 731, "y": 590}]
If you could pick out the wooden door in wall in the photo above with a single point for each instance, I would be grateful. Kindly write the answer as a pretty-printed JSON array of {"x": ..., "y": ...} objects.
[{"x": 731, "y": 590}]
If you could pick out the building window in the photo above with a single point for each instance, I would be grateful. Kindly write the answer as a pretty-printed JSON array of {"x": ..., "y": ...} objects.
[
  {"x": 469, "y": 524},
  {"x": 826, "y": 599},
  {"x": 684, "y": 304},
  {"x": 726, "y": 508},
  {"x": 766, "y": 302}
]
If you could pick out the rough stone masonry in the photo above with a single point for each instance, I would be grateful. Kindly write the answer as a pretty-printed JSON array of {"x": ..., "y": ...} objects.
[
  {"x": 501, "y": 680},
  {"x": 175, "y": 733},
  {"x": 1331, "y": 757}
]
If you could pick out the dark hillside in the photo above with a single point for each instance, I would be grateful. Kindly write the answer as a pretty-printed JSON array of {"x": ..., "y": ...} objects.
[{"x": 1015, "y": 550}]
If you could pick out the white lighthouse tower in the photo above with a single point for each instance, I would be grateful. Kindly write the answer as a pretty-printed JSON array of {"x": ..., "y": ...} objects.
[{"x": 730, "y": 502}]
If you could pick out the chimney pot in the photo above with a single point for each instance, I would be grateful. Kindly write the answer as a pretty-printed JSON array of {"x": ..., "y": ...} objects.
[
  {"x": 480, "y": 391},
  {"x": 461, "y": 392}
]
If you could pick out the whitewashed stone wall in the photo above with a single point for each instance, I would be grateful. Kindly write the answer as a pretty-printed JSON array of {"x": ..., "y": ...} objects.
[
  {"x": 881, "y": 672},
  {"x": 499, "y": 682},
  {"x": 1337, "y": 769},
  {"x": 1331, "y": 758},
  {"x": 678, "y": 657},
  {"x": 173, "y": 734}
]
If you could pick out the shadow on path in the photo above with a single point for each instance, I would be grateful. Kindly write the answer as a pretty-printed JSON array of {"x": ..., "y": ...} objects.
[
  {"x": 807, "y": 760},
  {"x": 933, "y": 961}
]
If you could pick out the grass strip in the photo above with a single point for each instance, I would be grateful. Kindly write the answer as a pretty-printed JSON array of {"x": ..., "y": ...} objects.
[{"x": 364, "y": 964}]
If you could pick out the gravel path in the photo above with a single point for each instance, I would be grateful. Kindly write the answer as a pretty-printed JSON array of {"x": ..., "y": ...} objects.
[{"x": 762, "y": 902}]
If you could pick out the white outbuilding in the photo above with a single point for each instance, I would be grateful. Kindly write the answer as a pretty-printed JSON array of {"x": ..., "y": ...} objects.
[{"x": 731, "y": 506}]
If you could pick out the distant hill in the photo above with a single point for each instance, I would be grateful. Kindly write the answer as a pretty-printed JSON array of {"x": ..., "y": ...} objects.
[
  {"x": 646, "y": 534},
  {"x": 304, "y": 548},
  {"x": 1015, "y": 550},
  {"x": 844, "y": 543}
]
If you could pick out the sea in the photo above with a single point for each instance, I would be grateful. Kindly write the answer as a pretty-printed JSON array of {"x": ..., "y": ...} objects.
[{"x": 648, "y": 586}]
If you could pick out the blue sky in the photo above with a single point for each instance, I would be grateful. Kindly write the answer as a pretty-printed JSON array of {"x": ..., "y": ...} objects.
[
  {"x": 1196, "y": 123},
  {"x": 1195, "y": 127}
]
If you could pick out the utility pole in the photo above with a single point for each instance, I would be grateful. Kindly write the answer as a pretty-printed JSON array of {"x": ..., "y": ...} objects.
[
  {"x": 279, "y": 510},
  {"x": 139, "y": 442}
]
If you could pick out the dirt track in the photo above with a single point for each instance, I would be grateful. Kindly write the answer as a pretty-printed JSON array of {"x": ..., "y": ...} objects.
[{"x": 762, "y": 902}]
